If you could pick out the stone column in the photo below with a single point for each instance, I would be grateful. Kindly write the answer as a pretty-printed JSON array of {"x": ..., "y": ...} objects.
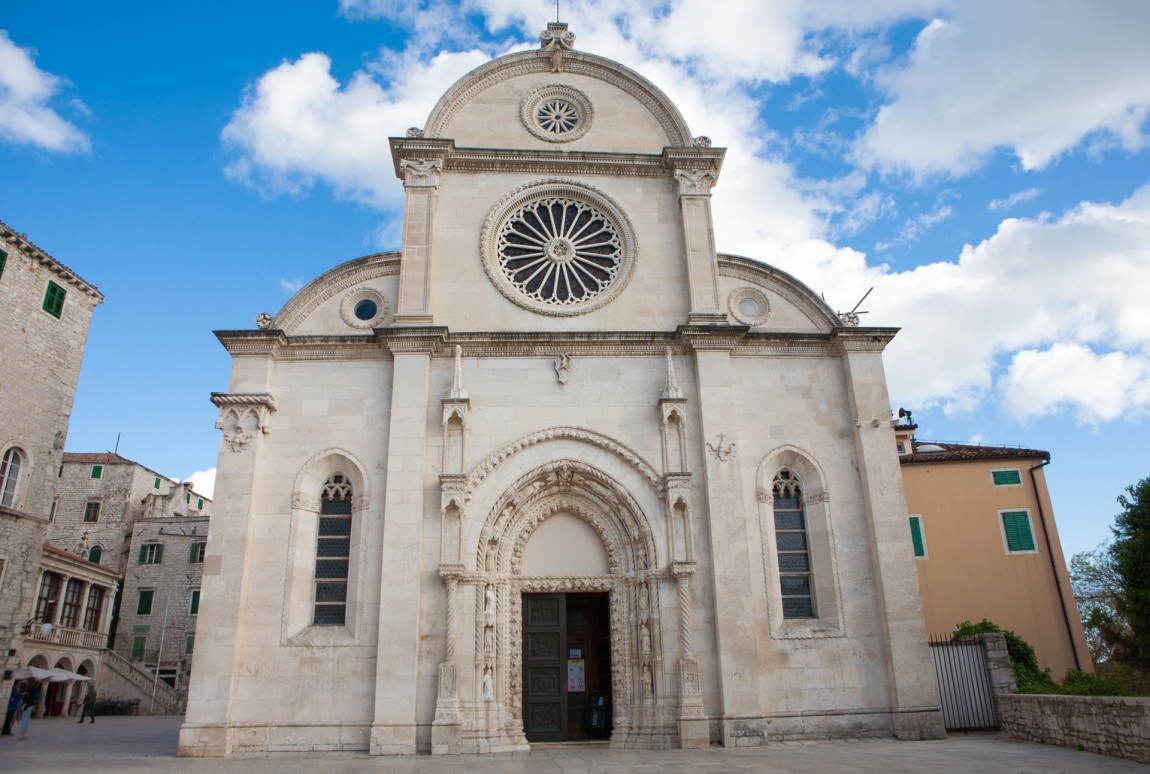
[
  {"x": 694, "y": 732},
  {"x": 420, "y": 183},
  {"x": 227, "y": 571},
  {"x": 910, "y": 673},
  {"x": 393, "y": 730},
  {"x": 39, "y": 711},
  {"x": 736, "y": 615},
  {"x": 446, "y": 736},
  {"x": 694, "y": 178}
]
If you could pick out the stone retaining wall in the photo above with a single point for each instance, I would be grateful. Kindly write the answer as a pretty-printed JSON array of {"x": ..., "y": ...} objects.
[{"x": 1111, "y": 725}]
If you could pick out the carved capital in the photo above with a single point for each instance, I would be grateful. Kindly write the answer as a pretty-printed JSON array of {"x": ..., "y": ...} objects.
[
  {"x": 696, "y": 182},
  {"x": 421, "y": 173},
  {"x": 682, "y": 569},
  {"x": 360, "y": 503},
  {"x": 763, "y": 495},
  {"x": 303, "y": 502},
  {"x": 817, "y": 496},
  {"x": 243, "y": 416}
]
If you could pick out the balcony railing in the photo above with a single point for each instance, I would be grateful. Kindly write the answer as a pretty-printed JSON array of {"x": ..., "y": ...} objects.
[{"x": 71, "y": 637}]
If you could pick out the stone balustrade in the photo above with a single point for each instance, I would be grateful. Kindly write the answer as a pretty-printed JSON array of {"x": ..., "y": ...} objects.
[
  {"x": 1110, "y": 725},
  {"x": 71, "y": 637}
]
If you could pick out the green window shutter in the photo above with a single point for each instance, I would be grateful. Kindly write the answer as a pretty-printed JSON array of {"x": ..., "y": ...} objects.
[
  {"x": 138, "y": 645},
  {"x": 143, "y": 553},
  {"x": 60, "y": 472},
  {"x": 187, "y": 498},
  {"x": 189, "y": 644},
  {"x": 916, "y": 536},
  {"x": 199, "y": 505},
  {"x": 97, "y": 471},
  {"x": 144, "y": 603},
  {"x": 156, "y": 483},
  {"x": 1007, "y": 477},
  {"x": 3, "y": 260},
  {"x": 159, "y": 554},
  {"x": 195, "y": 607},
  {"x": 193, "y": 550},
  {"x": 54, "y": 299},
  {"x": 1018, "y": 535}
]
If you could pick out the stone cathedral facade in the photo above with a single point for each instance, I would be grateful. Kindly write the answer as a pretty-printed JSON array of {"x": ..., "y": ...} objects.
[{"x": 557, "y": 469}]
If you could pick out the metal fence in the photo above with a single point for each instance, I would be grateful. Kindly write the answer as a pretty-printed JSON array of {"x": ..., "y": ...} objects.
[{"x": 964, "y": 685}]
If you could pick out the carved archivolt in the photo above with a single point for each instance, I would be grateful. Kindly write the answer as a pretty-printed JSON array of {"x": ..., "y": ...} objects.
[
  {"x": 330, "y": 284},
  {"x": 529, "y": 62},
  {"x": 495, "y": 459}
]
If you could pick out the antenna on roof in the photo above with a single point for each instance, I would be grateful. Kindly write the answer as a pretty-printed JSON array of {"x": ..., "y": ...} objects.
[
  {"x": 851, "y": 318},
  {"x": 117, "y": 451}
]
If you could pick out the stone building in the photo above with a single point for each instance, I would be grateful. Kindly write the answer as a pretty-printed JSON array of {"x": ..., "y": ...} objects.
[
  {"x": 75, "y": 596},
  {"x": 101, "y": 495},
  {"x": 161, "y": 597},
  {"x": 557, "y": 469},
  {"x": 986, "y": 545},
  {"x": 45, "y": 310}
]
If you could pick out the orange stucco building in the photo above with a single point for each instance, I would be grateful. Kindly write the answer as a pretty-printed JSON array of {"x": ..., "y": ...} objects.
[{"x": 987, "y": 546}]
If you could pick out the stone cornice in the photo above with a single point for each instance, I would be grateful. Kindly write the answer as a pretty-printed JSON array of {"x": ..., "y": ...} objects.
[
  {"x": 539, "y": 162},
  {"x": 383, "y": 343},
  {"x": 846, "y": 340},
  {"x": 20, "y": 243},
  {"x": 221, "y": 399}
]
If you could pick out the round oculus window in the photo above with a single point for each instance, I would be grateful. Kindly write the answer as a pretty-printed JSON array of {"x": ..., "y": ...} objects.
[
  {"x": 558, "y": 248},
  {"x": 749, "y": 306},
  {"x": 363, "y": 308},
  {"x": 557, "y": 113}
]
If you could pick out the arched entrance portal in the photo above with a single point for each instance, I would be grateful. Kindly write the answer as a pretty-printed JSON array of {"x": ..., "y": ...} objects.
[{"x": 568, "y": 531}]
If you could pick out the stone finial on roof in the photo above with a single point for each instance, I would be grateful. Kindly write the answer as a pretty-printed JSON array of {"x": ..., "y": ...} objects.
[
  {"x": 557, "y": 40},
  {"x": 671, "y": 388},
  {"x": 457, "y": 392}
]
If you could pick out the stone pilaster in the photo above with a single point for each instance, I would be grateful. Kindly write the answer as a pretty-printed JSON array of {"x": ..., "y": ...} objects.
[
  {"x": 218, "y": 660},
  {"x": 910, "y": 674},
  {"x": 421, "y": 183},
  {"x": 393, "y": 730},
  {"x": 696, "y": 170},
  {"x": 726, "y": 516}
]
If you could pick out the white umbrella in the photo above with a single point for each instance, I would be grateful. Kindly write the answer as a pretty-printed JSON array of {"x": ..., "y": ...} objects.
[
  {"x": 33, "y": 673},
  {"x": 63, "y": 675}
]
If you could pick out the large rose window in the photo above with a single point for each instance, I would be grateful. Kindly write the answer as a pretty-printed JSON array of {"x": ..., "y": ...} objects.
[{"x": 558, "y": 248}]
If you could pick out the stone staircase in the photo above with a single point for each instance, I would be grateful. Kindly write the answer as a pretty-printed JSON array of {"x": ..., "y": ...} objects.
[{"x": 167, "y": 700}]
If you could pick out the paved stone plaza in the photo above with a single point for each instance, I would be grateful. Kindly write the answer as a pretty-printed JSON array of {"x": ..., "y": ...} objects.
[{"x": 149, "y": 744}]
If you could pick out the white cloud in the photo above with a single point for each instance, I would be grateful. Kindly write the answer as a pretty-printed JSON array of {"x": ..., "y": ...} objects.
[
  {"x": 204, "y": 482},
  {"x": 298, "y": 124},
  {"x": 1036, "y": 77},
  {"x": 914, "y": 229},
  {"x": 291, "y": 286},
  {"x": 1101, "y": 387},
  {"x": 26, "y": 92},
  {"x": 1013, "y": 199}
]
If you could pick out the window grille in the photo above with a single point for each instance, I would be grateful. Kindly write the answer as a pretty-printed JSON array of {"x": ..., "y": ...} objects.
[
  {"x": 49, "y": 594},
  {"x": 793, "y": 547},
  {"x": 92, "y": 511},
  {"x": 333, "y": 549},
  {"x": 70, "y": 612},
  {"x": 10, "y": 467},
  {"x": 95, "y": 608}
]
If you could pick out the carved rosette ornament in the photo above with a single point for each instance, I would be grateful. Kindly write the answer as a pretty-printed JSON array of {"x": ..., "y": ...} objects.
[{"x": 242, "y": 416}]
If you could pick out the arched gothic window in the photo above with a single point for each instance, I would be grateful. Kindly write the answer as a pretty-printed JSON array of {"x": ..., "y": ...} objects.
[
  {"x": 333, "y": 548},
  {"x": 10, "y": 467},
  {"x": 793, "y": 546}
]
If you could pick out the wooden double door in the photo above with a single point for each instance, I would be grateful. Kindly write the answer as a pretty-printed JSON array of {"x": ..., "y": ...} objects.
[{"x": 566, "y": 667}]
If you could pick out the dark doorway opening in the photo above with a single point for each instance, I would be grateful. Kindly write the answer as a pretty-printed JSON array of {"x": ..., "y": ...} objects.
[{"x": 566, "y": 667}]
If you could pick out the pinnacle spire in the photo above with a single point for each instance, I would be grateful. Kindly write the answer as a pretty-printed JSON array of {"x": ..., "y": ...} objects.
[{"x": 457, "y": 392}]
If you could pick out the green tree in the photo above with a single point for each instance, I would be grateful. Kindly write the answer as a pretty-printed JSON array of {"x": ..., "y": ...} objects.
[
  {"x": 1129, "y": 639},
  {"x": 1096, "y": 589}
]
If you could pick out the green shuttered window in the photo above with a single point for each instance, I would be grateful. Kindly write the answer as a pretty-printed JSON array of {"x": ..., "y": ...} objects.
[
  {"x": 97, "y": 471},
  {"x": 196, "y": 554},
  {"x": 194, "y": 606},
  {"x": 54, "y": 299},
  {"x": 3, "y": 260},
  {"x": 151, "y": 553},
  {"x": 1007, "y": 477},
  {"x": 916, "y": 536},
  {"x": 138, "y": 645},
  {"x": 189, "y": 644},
  {"x": 144, "y": 603},
  {"x": 1016, "y": 524}
]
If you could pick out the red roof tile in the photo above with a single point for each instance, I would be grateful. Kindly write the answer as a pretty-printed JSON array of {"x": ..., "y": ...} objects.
[{"x": 960, "y": 452}]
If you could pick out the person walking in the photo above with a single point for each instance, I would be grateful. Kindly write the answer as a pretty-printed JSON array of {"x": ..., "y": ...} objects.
[
  {"x": 14, "y": 701},
  {"x": 89, "y": 707},
  {"x": 27, "y": 706}
]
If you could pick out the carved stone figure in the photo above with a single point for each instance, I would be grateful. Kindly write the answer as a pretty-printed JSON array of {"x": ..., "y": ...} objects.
[
  {"x": 648, "y": 686},
  {"x": 488, "y": 686},
  {"x": 644, "y": 640},
  {"x": 489, "y": 640},
  {"x": 563, "y": 367},
  {"x": 489, "y": 607}
]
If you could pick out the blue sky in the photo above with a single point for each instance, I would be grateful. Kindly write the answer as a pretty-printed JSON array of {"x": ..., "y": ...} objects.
[{"x": 984, "y": 166}]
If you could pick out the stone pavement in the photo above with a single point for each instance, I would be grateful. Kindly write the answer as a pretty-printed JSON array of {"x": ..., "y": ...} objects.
[{"x": 138, "y": 744}]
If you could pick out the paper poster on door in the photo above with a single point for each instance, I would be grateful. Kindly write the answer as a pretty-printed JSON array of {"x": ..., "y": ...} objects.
[{"x": 575, "y": 682}]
